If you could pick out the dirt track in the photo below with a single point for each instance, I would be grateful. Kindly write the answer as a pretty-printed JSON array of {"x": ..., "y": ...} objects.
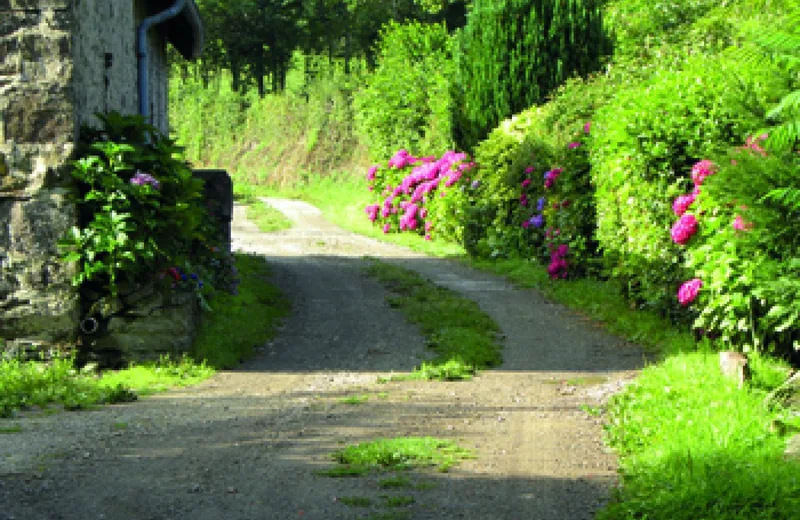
[{"x": 248, "y": 444}]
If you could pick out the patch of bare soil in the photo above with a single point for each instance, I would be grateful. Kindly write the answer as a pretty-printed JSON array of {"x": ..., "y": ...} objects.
[{"x": 251, "y": 443}]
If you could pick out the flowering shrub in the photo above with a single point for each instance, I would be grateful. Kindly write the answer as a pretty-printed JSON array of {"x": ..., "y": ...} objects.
[
  {"x": 645, "y": 141},
  {"x": 411, "y": 193},
  {"x": 745, "y": 257},
  {"x": 566, "y": 211},
  {"x": 141, "y": 212}
]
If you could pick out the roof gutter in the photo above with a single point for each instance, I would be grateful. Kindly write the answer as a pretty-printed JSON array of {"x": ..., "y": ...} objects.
[{"x": 141, "y": 52}]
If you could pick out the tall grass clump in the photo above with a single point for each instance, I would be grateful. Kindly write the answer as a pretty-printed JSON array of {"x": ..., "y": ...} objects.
[{"x": 280, "y": 139}]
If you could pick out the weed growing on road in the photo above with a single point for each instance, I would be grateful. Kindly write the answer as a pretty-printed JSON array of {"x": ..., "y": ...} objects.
[
  {"x": 402, "y": 453},
  {"x": 345, "y": 471},
  {"x": 11, "y": 429},
  {"x": 354, "y": 399},
  {"x": 398, "y": 481},
  {"x": 463, "y": 337},
  {"x": 355, "y": 501},
  {"x": 266, "y": 217},
  {"x": 398, "y": 501}
]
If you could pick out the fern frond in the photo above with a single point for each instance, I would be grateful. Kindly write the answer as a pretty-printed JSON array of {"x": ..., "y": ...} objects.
[{"x": 788, "y": 107}]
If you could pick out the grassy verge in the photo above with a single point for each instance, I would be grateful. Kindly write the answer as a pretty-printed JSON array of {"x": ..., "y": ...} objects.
[
  {"x": 692, "y": 445},
  {"x": 463, "y": 337},
  {"x": 227, "y": 335},
  {"x": 240, "y": 323}
]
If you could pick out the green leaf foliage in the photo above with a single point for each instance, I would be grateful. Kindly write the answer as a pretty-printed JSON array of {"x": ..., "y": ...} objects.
[
  {"x": 512, "y": 53},
  {"x": 407, "y": 102}
]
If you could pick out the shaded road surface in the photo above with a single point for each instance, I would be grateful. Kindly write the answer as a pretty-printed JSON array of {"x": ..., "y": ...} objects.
[{"x": 250, "y": 443}]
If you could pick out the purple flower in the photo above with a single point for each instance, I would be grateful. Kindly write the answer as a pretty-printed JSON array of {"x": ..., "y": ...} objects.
[
  {"x": 141, "y": 179},
  {"x": 540, "y": 204},
  {"x": 688, "y": 291},
  {"x": 537, "y": 221},
  {"x": 526, "y": 183},
  {"x": 475, "y": 184}
]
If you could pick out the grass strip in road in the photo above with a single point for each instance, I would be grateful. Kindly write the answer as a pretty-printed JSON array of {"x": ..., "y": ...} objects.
[
  {"x": 464, "y": 338},
  {"x": 267, "y": 218}
]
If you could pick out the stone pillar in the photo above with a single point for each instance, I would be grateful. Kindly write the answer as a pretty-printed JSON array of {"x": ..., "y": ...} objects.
[
  {"x": 219, "y": 200},
  {"x": 38, "y": 305}
]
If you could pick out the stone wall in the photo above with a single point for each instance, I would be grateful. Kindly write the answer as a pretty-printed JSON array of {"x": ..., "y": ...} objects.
[{"x": 38, "y": 306}]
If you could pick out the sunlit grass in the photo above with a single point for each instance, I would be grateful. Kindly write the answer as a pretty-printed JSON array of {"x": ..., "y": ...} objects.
[
  {"x": 267, "y": 218},
  {"x": 403, "y": 453},
  {"x": 693, "y": 445}
]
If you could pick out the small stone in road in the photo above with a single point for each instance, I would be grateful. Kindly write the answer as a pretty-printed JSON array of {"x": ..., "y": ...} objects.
[{"x": 232, "y": 490}]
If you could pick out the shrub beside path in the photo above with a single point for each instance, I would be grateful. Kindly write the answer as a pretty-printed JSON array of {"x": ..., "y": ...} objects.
[{"x": 250, "y": 443}]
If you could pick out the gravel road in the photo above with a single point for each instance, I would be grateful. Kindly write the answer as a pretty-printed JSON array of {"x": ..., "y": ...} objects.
[{"x": 250, "y": 444}]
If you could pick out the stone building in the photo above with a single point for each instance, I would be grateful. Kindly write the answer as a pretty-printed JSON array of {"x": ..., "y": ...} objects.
[{"x": 62, "y": 61}]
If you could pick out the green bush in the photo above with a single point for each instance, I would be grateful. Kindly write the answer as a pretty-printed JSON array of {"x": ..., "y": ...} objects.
[
  {"x": 514, "y": 153},
  {"x": 746, "y": 253},
  {"x": 141, "y": 209},
  {"x": 406, "y": 102},
  {"x": 644, "y": 143},
  {"x": 512, "y": 53}
]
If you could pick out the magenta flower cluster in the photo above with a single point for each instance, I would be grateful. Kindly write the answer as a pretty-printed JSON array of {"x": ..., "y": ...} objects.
[
  {"x": 407, "y": 200},
  {"x": 684, "y": 229},
  {"x": 551, "y": 177},
  {"x": 689, "y": 290},
  {"x": 145, "y": 179},
  {"x": 558, "y": 262}
]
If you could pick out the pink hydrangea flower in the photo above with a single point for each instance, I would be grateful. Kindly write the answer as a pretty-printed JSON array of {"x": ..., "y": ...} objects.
[
  {"x": 689, "y": 290},
  {"x": 701, "y": 170},
  {"x": 529, "y": 170},
  {"x": 684, "y": 229},
  {"x": 526, "y": 183},
  {"x": 387, "y": 227},
  {"x": 428, "y": 237},
  {"x": 371, "y": 173},
  {"x": 587, "y": 127},
  {"x": 682, "y": 203},
  {"x": 740, "y": 225},
  {"x": 573, "y": 145}
]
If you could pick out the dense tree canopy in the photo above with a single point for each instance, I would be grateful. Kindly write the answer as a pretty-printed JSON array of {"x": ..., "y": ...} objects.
[{"x": 254, "y": 39}]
